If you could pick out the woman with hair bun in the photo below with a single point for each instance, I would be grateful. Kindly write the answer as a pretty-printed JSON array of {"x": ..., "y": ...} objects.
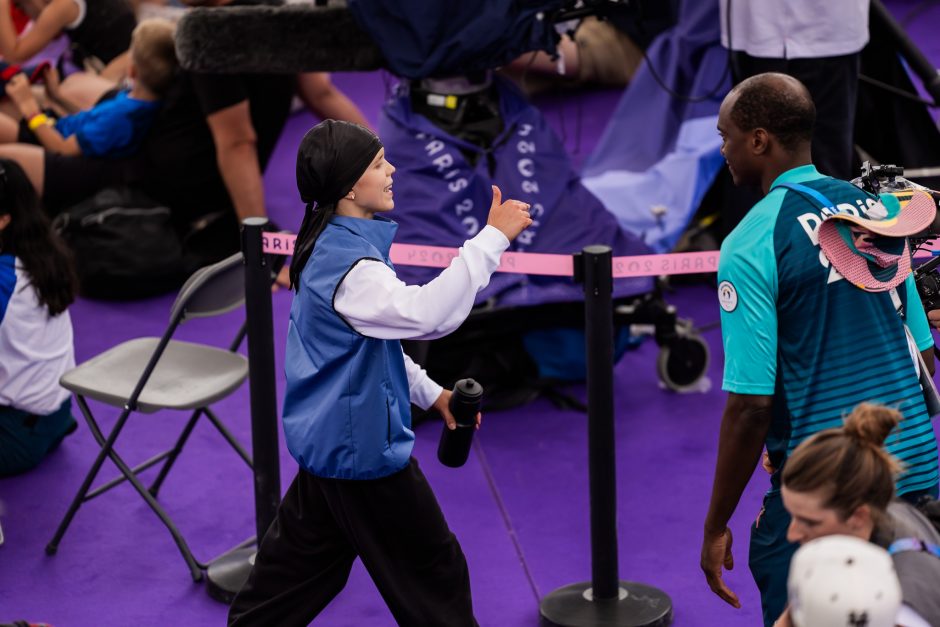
[{"x": 841, "y": 481}]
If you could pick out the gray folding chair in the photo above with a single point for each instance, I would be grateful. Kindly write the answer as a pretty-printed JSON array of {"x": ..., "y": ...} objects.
[{"x": 149, "y": 374}]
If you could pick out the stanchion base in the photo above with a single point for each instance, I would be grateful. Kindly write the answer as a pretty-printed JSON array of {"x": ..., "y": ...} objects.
[
  {"x": 227, "y": 574},
  {"x": 639, "y": 605}
]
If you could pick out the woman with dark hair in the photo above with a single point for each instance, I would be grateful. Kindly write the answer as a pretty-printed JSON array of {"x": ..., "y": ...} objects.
[
  {"x": 841, "y": 481},
  {"x": 37, "y": 284},
  {"x": 347, "y": 416}
]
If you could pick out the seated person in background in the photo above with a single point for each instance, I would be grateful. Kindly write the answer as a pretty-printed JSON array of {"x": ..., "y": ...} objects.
[
  {"x": 841, "y": 481},
  {"x": 114, "y": 127},
  {"x": 314, "y": 89},
  {"x": 596, "y": 52},
  {"x": 203, "y": 158},
  {"x": 600, "y": 51},
  {"x": 37, "y": 284},
  {"x": 99, "y": 32}
]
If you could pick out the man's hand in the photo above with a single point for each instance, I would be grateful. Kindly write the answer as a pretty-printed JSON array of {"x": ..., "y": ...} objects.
[
  {"x": 442, "y": 405},
  {"x": 510, "y": 217},
  {"x": 716, "y": 552},
  {"x": 784, "y": 620},
  {"x": 766, "y": 465},
  {"x": 744, "y": 426},
  {"x": 21, "y": 93}
]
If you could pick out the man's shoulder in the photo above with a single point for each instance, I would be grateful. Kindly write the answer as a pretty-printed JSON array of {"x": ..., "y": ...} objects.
[
  {"x": 242, "y": 80},
  {"x": 836, "y": 190},
  {"x": 756, "y": 225},
  {"x": 219, "y": 91},
  {"x": 810, "y": 196}
]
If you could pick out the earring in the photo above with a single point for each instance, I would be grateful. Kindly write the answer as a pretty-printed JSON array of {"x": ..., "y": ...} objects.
[{"x": 352, "y": 195}]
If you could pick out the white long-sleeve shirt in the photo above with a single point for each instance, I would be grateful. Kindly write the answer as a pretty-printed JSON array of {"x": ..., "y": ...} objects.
[
  {"x": 376, "y": 303},
  {"x": 35, "y": 348}
]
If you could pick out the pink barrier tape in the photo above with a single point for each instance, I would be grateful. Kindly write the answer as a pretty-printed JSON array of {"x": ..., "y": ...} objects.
[
  {"x": 673, "y": 263},
  {"x": 520, "y": 263},
  {"x": 529, "y": 263},
  {"x": 277, "y": 243}
]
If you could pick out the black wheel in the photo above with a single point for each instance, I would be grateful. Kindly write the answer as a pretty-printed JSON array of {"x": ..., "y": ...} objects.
[{"x": 682, "y": 362}]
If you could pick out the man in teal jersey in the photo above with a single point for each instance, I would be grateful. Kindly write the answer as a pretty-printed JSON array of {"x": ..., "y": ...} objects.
[{"x": 802, "y": 345}]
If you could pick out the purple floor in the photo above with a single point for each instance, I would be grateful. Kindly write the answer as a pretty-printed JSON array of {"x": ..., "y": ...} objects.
[{"x": 519, "y": 506}]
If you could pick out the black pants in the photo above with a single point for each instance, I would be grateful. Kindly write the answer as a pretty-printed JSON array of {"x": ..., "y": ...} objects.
[{"x": 393, "y": 524}]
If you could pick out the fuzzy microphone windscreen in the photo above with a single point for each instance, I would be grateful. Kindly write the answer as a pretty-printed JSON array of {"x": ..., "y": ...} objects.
[{"x": 282, "y": 39}]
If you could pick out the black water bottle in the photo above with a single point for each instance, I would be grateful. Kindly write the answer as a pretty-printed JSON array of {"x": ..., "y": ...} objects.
[{"x": 454, "y": 447}]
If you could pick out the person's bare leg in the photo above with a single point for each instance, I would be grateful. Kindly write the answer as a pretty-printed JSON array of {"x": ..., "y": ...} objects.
[
  {"x": 9, "y": 109},
  {"x": 85, "y": 89},
  {"x": 31, "y": 159},
  {"x": 9, "y": 129}
]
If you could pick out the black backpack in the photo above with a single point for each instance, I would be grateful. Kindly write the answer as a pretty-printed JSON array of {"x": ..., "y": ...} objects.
[
  {"x": 125, "y": 245},
  {"x": 929, "y": 507}
]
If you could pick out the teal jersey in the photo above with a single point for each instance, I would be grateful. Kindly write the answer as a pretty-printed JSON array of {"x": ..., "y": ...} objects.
[{"x": 793, "y": 328}]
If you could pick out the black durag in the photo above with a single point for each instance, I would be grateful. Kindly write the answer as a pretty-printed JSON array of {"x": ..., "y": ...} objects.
[{"x": 332, "y": 156}]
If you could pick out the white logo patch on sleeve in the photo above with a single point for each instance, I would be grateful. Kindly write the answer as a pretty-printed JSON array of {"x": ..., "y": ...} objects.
[{"x": 727, "y": 296}]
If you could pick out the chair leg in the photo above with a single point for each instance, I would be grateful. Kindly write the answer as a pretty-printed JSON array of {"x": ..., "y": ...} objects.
[
  {"x": 106, "y": 445},
  {"x": 229, "y": 437},
  {"x": 107, "y": 450},
  {"x": 195, "y": 568},
  {"x": 174, "y": 453}
]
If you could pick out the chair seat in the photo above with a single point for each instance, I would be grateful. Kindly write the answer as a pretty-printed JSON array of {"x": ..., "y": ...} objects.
[{"x": 186, "y": 377}]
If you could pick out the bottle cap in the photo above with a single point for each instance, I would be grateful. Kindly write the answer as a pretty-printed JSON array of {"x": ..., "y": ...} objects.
[{"x": 468, "y": 388}]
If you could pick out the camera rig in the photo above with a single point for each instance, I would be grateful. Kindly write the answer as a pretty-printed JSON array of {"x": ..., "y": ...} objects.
[{"x": 889, "y": 179}]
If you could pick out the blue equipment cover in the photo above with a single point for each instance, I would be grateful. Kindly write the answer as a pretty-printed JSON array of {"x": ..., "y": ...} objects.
[
  {"x": 422, "y": 39},
  {"x": 441, "y": 199},
  {"x": 659, "y": 154}
]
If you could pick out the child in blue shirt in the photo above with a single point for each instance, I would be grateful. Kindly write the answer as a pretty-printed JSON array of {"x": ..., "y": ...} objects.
[{"x": 112, "y": 128}]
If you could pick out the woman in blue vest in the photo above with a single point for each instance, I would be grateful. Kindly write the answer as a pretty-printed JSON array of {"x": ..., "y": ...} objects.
[{"x": 347, "y": 418}]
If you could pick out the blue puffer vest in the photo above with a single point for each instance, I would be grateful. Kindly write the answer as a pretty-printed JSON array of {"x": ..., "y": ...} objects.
[{"x": 347, "y": 412}]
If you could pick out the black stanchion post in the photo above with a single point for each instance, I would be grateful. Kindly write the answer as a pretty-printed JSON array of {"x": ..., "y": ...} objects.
[
  {"x": 605, "y": 600},
  {"x": 602, "y": 475},
  {"x": 227, "y": 574},
  {"x": 264, "y": 445}
]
